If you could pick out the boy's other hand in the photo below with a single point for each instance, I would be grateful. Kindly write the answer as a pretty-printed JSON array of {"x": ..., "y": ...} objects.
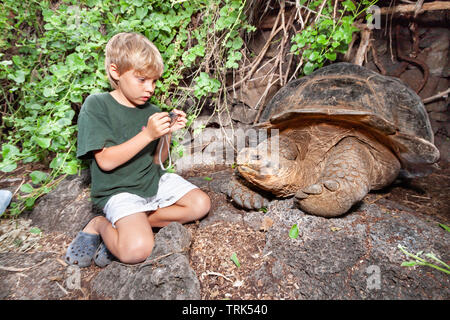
[
  {"x": 180, "y": 122},
  {"x": 158, "y": 124}
]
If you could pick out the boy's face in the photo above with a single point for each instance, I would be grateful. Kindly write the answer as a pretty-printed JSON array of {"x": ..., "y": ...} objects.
[{"x": 135, "y": 88}]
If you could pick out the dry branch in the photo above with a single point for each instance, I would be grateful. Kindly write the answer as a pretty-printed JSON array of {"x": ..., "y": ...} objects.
[
  {"x": 443, "y": 94},
  {"x": 261, "y": 55},
  {"x": 376, "y": 60},
  {"x": 14, "y": 269},
  {"x": 365, "y": 40},
  {"x": 407, "y": 8},
  {"x": 418, "y": 8}
]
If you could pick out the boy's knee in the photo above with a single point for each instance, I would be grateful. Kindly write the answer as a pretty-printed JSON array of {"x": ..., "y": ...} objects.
[
  {"x": 136, "y": 251},
  {"x": 202, "y": 204}
]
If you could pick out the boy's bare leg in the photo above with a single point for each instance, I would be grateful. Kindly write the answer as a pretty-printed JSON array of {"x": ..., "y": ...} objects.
[
  {"x": 192, "y": 206},
  {"x": 131, "y": 241}
]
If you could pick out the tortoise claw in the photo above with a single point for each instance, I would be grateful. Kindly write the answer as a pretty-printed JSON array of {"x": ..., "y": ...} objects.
[
  {"x": 313, "y": 189},
  {"x": 246, "y": 203},
  {"x": 237, "y": 199},
  {"x": 243, "y": 196},
  {"x": 331, "y": 185},
  {"x": 301, "y": 195}
]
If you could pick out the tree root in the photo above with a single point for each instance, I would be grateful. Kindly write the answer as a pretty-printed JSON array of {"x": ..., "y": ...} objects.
[{"x": 408, "y": 8}]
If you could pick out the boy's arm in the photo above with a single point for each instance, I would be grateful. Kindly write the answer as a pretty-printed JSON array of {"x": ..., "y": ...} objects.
[{"x": 112, "y": 157}]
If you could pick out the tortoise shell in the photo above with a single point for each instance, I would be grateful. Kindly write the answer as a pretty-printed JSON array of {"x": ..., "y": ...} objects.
[{"x": 357, "y": 95}]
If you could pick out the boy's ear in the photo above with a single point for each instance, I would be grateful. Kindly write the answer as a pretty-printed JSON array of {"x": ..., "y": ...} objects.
[{"x": 114, "y": 71}]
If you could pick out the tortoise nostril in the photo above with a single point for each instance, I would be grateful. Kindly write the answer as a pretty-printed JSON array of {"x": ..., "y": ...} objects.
[{"x": 256, "y": 157}]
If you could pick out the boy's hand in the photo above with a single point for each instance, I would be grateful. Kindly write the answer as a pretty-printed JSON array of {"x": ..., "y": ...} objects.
[
  {"x": 180, "y": 121},
  {"x": 158, "y": 124}
]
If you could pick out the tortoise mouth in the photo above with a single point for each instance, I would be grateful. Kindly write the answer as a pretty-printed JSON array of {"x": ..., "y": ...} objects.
[
  {"x": 275, "y": 182},
  {"x": 257, "y": 173},
  {"x": 247, "y": 169}
]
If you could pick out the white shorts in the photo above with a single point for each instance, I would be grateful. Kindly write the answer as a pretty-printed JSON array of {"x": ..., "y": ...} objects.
[{"x": 171, "y": 188}]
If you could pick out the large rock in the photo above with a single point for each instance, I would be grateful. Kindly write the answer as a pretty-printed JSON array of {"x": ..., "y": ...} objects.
[
  {"x": 33, "y": 276},
  {"x": 166, "y": 274},
  {"x": 439, "y": 40},
  {"x": 67, "y": 208},
  {"x": 356, "y": 256}
]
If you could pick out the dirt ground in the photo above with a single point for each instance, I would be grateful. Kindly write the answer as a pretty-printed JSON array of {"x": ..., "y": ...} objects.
[
  {"x": 429, "y": 196},
  {"x": 212, "y": 246}
]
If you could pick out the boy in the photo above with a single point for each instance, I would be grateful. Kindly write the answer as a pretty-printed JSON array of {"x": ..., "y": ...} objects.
[{"x": 123, "y": 134}]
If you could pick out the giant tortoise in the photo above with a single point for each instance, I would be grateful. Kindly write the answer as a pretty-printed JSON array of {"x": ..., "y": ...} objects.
[{"x": 343, "y": 130}]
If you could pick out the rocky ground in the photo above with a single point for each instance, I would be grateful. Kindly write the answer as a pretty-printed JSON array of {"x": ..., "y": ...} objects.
[{"x": 352, "y": 257}]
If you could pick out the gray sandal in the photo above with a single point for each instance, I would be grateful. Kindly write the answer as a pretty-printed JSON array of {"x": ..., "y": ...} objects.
[
  {"x": 103, "y": 256},
  {"x": 82, "y": 249}
]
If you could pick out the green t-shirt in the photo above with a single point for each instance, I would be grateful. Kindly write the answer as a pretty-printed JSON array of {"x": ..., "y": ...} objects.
[{"x": 103, "y": 122}]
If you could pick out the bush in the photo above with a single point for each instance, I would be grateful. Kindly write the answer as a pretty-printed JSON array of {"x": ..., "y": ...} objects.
[{"x": 52, "y": 59}]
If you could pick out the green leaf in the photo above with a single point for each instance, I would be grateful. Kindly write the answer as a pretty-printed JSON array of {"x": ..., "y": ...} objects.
[
  {"x": 408, "y": 263},
  {"x": 349, "y": 5},
  {"x": 29, "y": 203},
  {"x": 331, "y": 56},
  {"x": 141, "y": 12},
  {"x": 71, "y": 167},
  {"x": 314, "y": 56},
  {"x": 59, "y": 70},
  {"x": 8, "y": 167},
  {"x": 6, "y": 63},
  {"x": 326, "y": 23},
  {"x": 235, "y": 259},
  {"x": 204, "y": 85},
  {"x": 322, "y": 39},
  {"x": 9, "y": 151},
  {"x": 35, "y": 230},
  {"x": 43, "y": 142},
  {"x": 443, "y": 226},
  {"x": 207, "y": 178},
  {"x": 309, "y": 68},
  {"x": 293, "y": 233},
  {"x": 49, "y": 92},
  {"x": 18, "y": 77},
  {"x": 38, "y": 176},
  {"x": 74, "y": 61},
  {"x": 235, "y": 44},
  {"x": 231, "y": 64},
  {"x": 26, "y": 188},
  {"x": 57, "y": 162}
]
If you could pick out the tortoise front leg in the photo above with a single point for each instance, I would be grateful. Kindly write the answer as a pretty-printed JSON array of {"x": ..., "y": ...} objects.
[
  {"x": 242, "y": 195},
  {"x": 345, "y": 180}
]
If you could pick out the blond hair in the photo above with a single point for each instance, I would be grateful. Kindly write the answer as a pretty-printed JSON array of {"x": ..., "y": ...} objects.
[{"x": 133, "y": 51}]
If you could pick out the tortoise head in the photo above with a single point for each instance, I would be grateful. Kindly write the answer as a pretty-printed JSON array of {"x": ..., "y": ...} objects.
[{"x": 271, "y": 165}]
